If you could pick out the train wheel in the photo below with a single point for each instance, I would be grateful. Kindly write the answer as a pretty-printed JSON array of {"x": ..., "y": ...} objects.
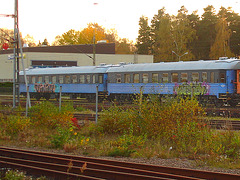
[
  {"x": 47, "y": 96},
  {"x": 233, "y": 103},
  {"x": 38, "y": 97}
]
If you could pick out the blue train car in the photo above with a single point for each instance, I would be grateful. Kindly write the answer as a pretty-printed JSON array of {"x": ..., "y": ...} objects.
[
  {"x": 74, "y": 81},
  {"x": 213, "y": 81}
]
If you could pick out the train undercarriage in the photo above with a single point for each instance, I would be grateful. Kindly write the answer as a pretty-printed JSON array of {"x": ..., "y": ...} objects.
[{"x": 224, "y": 100}]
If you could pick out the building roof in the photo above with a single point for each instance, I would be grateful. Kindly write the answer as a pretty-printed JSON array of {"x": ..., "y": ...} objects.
[{"x": 101, "y": 48}]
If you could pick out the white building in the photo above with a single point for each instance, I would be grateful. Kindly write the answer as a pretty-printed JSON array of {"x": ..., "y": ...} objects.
[{"x": 72, "y": 55}]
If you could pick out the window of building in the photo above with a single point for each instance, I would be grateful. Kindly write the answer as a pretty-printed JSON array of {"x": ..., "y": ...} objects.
[
  {"x": 195, "y": 77},
  {"x": 165, "y": 77},
  {"x": 184, "y": 77},
  {"x": 135, "y": 78},
  {"x": 61, "y": 79},
  {"x": 222, "y": 77},
  {"x": 154, "y": 78},
  {"x": 33, "y": 79},
  {"x": 88, "y": 79},
  {"x": 67, "y": 79},
  {"x": 174, "y": 77},
  {"x": 212, "y": 77},
  {"x": 145, "y": 78},
  {"x": 54, "y": 79},
  {"x": 100, "y": 79},
  {"x": 127, "y": 78},
  {"x": 74, "y": 79},
  {"x": 119, "y": 78},
  {"x": 204, "y": 76},
  {"x": 81, "y": 79}
]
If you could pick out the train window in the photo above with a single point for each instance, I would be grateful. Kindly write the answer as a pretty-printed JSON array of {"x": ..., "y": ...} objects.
[
  {"x": 154, "y": 78},
  {"x": 135, "y": 78},
  {"x": 204, "y": 76},
  {"x": 88, "y": 78},
  {"x": 195, "y": 77},
  {"x": 175, "y": 77},
  {"x": 67, "y": 79},
  {"x": 81, "y": 79},
  {"x": 33, "y": 79},
  {"x": 74, "y": 79},
  {"x": 222, "y": 77},
  {"x": 165, "y": 77},
  {"x": 46, "y": 79},
  {"x": 145, "y": 78},
  {"x": 40, "y": 80},
  {"x": 61, "y": 79},
  {"x": 100, "y": 79},
  {"x": 126, "y": 78},
  {"x": 118, "y": 78},
  {"x": 184, "y": 77},
  {"x": 94, "y": 79},
  {"x": 54, "y": 79},
  {"x": 212, "y": 77}
]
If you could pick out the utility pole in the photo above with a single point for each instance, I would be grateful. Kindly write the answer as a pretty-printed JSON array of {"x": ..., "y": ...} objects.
[{"x": 16, "y": 58}]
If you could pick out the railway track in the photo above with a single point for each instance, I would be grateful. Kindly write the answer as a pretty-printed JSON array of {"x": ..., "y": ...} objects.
[
  {"x": 83, "y": 118},
  {"x": 62, "y": 166}
]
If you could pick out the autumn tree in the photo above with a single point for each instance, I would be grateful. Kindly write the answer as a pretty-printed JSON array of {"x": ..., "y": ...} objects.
[
  {"x": 143, "y": 41},
  {"x": 29, "y": 40},
  {"x": 221, "y": 45},
  {"x": 85, "y": 36},
  {"x": 124, "y": 46},
  {"x": 7, "y": 36}
]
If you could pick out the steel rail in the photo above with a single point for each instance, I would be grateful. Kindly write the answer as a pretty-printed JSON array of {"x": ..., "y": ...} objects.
[
  {"x": 94, "y": 169},
  {"x": 136, "y": 167}
]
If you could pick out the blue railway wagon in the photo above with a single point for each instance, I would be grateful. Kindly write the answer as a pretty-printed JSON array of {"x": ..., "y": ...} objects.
[
  {"x": 213, "y": 80},
  {"x": 75, "y": 81}
]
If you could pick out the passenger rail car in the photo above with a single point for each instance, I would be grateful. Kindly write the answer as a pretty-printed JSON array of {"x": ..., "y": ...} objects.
[
  {"x": 215, "y": 81},
  {"x": 211, "y": 81},
  {"x": 73, "y": 81}
]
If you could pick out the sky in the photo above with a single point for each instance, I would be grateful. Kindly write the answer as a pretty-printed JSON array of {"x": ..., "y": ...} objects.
[{"x": 49, "y": 18}]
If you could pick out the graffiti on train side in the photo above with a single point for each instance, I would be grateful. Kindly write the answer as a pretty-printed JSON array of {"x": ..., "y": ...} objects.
[
  {"x": 45, "y": 88},
  {"x": 192, "y": 88}
]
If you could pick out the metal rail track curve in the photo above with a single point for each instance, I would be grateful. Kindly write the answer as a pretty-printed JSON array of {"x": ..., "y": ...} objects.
[{"x": 62, "y": 166}]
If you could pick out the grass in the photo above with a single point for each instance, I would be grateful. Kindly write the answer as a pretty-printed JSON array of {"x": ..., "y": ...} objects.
[{"x": 150, "y": 129}]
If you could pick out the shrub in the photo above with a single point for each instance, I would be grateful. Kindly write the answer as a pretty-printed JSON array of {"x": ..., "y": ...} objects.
[
  {"x": 13, "y": 125},
  {"x": 48, "y": 115}
]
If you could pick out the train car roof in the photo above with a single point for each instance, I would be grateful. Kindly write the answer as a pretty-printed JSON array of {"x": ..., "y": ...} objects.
[
  {"x": 179, "y": 66},
  {"x": 66, "y": 70}
]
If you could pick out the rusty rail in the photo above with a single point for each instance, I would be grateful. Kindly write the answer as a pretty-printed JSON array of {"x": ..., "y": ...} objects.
[{"x": 61, "y": 166}]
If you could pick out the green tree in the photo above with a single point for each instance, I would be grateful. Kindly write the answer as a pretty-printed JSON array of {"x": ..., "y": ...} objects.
[
  {"x": 221, "y": 45},
  {"x": 206, "y": 33},
  {"x": 182, "y": 35},
  {"x": 194, "y": 21},
  {"x": 162, "y": 42},
  {"x": 143, "y": 41},
  {"x": 233, "y": 20}
]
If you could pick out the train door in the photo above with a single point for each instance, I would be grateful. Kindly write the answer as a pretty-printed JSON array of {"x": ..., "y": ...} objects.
[{"x": 238, "y": 81}]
